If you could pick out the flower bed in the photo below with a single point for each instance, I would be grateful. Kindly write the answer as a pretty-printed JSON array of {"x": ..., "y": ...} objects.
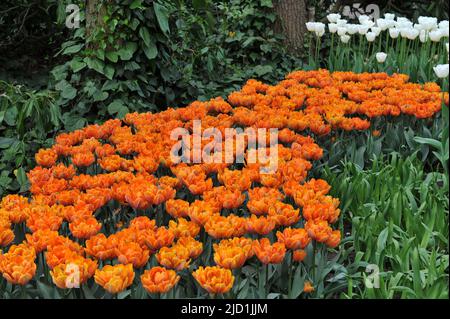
[{"x": 108, "y": 201}]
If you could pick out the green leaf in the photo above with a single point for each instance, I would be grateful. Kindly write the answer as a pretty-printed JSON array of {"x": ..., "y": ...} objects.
[
  {"x": 126, "y": 53},
  {"x": 117, "y": 107},
  {"x": 262, "y": 70},
  {"x": 136, "y": 4},
  {"x": 73, "y": 49},
  {"x": 162, "y": 15},
  {"x": 145, "y": 35},
  {"x": 6, "y": 142},
  {"x": 112, "y": 56},
  {"x": 69, "y": 92},
  {"x": 77, "y": 65},
  {"x": 95, "y": 64},
  {"x": 267, "y": 3},
  {"x": 151, "y": 52},
  {"x": 109, "y": 72}
]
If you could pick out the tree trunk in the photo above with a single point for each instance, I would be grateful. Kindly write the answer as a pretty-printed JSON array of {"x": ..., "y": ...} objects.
[
  {"x": 292, "y": 16},
  {"x": 94, "y": 16}
]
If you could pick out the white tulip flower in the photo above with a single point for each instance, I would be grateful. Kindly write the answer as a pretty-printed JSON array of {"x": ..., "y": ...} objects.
[
  {"x": 371, "y": 36},
  {"x": 429, "y": 23},
  {"x": 341, "y": 31},
  {"x": 345, "y": 38},
  {"x": 381, "y": 57},
  {"x": 383, "y": 24},
  {"x": 444, "y": 24},
  {"x": 403, "y": 23},
  {"x": 445, "y": 33},
  {"x": 311, "y": 26},
  {"x": 423, "y": 36},
  {"x": 409, "y": 33},
  {"x": 441, "y": 70},
  {"x": 435, "y": 35},
  {"x": 352, "y": 28},
  {"x": 413, "y": 34},
  {"x": 394, "y": 33},
  {"x": 333, "y": 17},
  {"x": 320, "y": 29},
  {"x": 341, "y": 22},
  {"x": 376, "y": 30},
  {"x": 333, "y": 27},
  {"x": 389, "y": 16},
  {"x": 363, "y": 18},
  {"x": 362, "y": 29},
  {"x": 419, "y": 27}
]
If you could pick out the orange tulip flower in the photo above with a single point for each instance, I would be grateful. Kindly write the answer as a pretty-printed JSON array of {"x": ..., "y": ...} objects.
[
  {"x": 215, "y": 280},
  {"x": 267, "y": 253},
  {"x": 115, "y": 279},
  {"x": 159, "y": 280}
]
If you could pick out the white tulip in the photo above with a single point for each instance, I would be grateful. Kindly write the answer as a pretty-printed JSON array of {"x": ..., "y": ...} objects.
[
  {"x": 394, "y": 33},
  {"x": 381, "y": 57},
  {"x": 341, "y": 22},
  {"x": 371, "y": 36},
  {"x": 413, "y": 34},
  {"x": 429, "y": 23},
  {"x": 320, "y": 29},
  {"x": 368, "y": 23},
  {"x": 332, "y": 18},
  {"x": 441, "y": 70},
  {"x": 311, "y": 26},
  {"x": 376, "y": 30},
  {"x": 362, "y": 29},
  {"x": 383, "y": 24},
  {"x": 363, "y": 18},
  {"x": 352, "y": 28},
  {"x": 389, "y": 16},
  {"x": 419, "y": 27},
  {"x": 341, "y": 31},
  {"x": 333, "y": 27},
  {"x": 423, "y": 36},
  {"x": 409, "y": 33},
  {"x": 435, "y": 35},
  {"x": 444, "y": 24},
  {"x": 345, "y": 38},
  {"x": 445, "y": 33},
  {"x": 403, "y": 23}
]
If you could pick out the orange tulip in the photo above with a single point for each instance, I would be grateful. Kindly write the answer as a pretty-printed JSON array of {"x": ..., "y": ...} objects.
[
  {"x": 159, "y": 280},
  {"x": 318, "y": 230},
  {"x": 132, "y": 253},
  {"x": 308, "y": 287},
  {"x": 215, "y": 280},
  {"x": 17, "y": 266},
  {"x": 176, "y": 257},
  {"x": 115, "y": 279},
  {"x": 294, "y": 238},
  {"x": 299, "y": 255},
  {"x": 229, "y": 257},
  {"x": 184, "y": 228},
  {"x": 267, "y": 253},
  {"x": 73, "y": 273},
  {"x": 98, "y": 247},
  {"x": 194, "y": 247}
]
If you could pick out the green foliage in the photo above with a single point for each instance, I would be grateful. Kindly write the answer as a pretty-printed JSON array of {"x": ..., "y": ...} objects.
[
  {"x": 147, "y": 55},
  {"x": 27, "y": 120},
  {"x": 399, "y": 222},
  {"x": 29, "y": 37}
]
